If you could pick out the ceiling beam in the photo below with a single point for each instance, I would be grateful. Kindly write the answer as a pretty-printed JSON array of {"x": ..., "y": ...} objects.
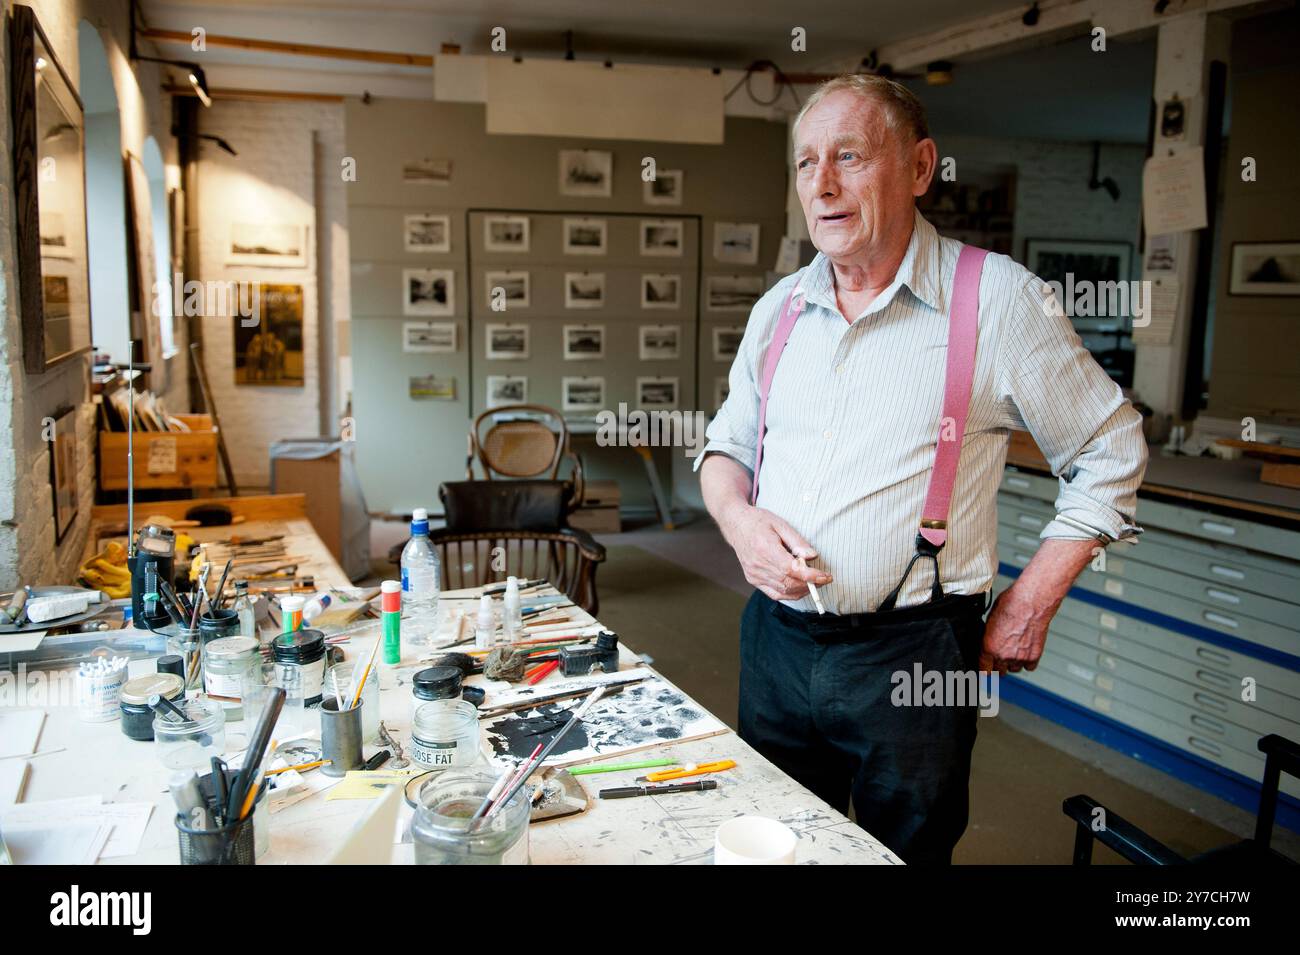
[{"x": 292, "y": 49}]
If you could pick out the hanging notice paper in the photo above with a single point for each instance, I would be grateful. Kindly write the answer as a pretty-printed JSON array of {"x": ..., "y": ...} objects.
[
  {"x": 1173, "y": 192},
  {"x": 1153, "y": 324}
]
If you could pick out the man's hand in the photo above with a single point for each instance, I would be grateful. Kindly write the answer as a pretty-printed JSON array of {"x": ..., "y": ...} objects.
[
  {"x": 769, "y": 550},
  {"x": 1016, "y": 631}
]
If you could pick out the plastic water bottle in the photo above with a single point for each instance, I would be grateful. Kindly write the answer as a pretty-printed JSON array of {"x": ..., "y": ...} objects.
[{"x": 420, "y": 579}]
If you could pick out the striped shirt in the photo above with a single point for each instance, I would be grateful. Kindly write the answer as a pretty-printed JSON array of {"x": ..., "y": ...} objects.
[{"x": 853, "y": 418}]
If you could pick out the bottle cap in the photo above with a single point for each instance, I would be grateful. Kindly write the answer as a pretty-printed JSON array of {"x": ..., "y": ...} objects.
[
  {"x": 291, "y": 603},
  {"x": 391, "y": 601},
  {"x": 419, "y": 514}
]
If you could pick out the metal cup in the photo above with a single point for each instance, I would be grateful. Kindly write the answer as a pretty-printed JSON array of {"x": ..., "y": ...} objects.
[{"x": 340, "y": 737}]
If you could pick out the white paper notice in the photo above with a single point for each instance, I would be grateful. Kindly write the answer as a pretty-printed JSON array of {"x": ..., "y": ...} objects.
[
  {"x": 1173, "y": 192},
  {"x": 162, "y": 456},
  {"x": 1154, "y": 322}
]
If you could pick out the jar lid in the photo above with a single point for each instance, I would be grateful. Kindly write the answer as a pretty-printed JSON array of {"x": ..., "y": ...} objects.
[
  {"x": 138, "y": 691},
  {"x": 231, "y": 647},
  {"x": 292, "y": 602},
  {"x": 300, "y": 643},
  {"x": 437, "y": 682}
]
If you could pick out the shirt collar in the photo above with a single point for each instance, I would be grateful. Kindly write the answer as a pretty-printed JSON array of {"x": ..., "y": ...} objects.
[{"x": 919, "y": 272}]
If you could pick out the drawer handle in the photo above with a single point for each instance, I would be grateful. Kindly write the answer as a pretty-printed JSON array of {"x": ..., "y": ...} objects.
[
  {"x": 1222, "y": 595},
  {"x": 1029, "y": 520},
  {"x": 1230, "y": 572},
  {"x": 1221, "y": 619},
  {"x": 1214, "y": 679},
  {"x": 1018, "y": 482},
  {"x": 1027, "y": 541},
  {"x": 1022, "y": 558},
  {"x": 1205, "y": 746},
  {"x": 1205, "y": 723},
  {"x": 1205, "y": 653},
  {"x": 1214, "y": 527},
  {"x": 1211, "y": 702}
]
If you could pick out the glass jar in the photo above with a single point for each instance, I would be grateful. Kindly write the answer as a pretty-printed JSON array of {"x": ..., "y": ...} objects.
[
  {"x": 188, "y": 645},
  {"x": 339, "y": 677},
  {"x": 133, "y": 702},
  {"x": 303, "y": 651},
  {"x": 191, "y": 744},
  {"x": 435, "y": 683},
  {"x": 445, "y": 735},
  {"x": 228, "y": 665},
  {"x": 441, "y": 829}
]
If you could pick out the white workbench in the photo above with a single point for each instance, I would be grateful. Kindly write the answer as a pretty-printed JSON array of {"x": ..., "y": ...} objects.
[{"x": 676, "y": 828}]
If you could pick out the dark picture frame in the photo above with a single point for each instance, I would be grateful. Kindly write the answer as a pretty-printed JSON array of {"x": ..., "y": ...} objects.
[
  {"x": 42, "y": 152},
  {"x": 63, "y": 471},
  {"x": 1264, "y": 269}
]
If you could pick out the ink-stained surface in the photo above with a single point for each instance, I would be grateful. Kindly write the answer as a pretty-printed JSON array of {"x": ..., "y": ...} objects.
[{"x": 644, "y": 714}]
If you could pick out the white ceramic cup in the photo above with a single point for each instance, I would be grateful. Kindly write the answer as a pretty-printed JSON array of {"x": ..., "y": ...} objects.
[{"x": 753, "y": 840}]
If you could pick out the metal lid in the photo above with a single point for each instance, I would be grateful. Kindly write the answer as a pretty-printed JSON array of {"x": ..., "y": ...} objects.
[
  {"x": 139, "y": 690},
  {"x": 231, "y": 647},
  {"x": 290, "y": 646}
]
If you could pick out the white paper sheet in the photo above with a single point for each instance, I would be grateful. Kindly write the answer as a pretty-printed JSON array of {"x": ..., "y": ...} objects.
[
  {"x": 78, "y": 844},
  {"x": 126, "y": 821},
  {"x": 20, "y": 731}
]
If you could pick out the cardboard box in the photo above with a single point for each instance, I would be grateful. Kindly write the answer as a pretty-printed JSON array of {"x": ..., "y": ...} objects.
[{"x": 598, "y": 512}]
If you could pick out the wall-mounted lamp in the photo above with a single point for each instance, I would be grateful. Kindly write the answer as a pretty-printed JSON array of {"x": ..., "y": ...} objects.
[
  {"x": 1031, "y": 15},
  {"x": 193, "y": 72},
  {"x": 220, "y": 142}
]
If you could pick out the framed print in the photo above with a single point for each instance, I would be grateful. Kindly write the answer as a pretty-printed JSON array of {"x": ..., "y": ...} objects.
[
  {"x": 277, "y": 245},
  {"x": 732, "y": 293},
  {"x": 659, "y": 342},
  {"x": 427, "y": 172},
  {"x": 508, "y": 289},
  {"x": 584, "y": 236},
  {"x": 661, "y": 291},
  {"x": 1265, "y": 268},
  {"x": 665, "y": 189},
  {"x": 506, "y": 390},
  {"x": 726, "y": 341},
  {"x": 429, "y": 337},
  {"x": 271, "y": 351},
  {"x": 506, "y": 233},
  {"x": 582, "y": 394},
  {"x": 584, "y": 342},
  {"x": 426, "y": 233},
  {"x": 431, "y": 388},
  {"x": 507, "y": 342},
  {"x": 586, "y": 172},
  {"x": 428, "y": 291},
  {"x": 661, "y": 237},
  {"x": 584, "y": 289},
  {"x": 657, "y": 393},
  {"x": 736, "y": 242},
  {"x": 63, "y": 471}
]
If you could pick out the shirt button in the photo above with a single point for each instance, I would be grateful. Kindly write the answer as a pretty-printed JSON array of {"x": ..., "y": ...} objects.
[
  {"x": 807, "y": 498},
  {"x": 826, "y": 435},
  {"x": 839, "y": 369}
]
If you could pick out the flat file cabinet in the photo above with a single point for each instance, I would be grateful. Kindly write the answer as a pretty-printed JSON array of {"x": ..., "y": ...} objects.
[{"x": 1182, "y": 650}]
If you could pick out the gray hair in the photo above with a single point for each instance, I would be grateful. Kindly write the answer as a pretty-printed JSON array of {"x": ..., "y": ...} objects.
[{"x": 905, "y": 112}]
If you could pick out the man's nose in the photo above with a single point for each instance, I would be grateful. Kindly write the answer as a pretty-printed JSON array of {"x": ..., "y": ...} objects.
[{"x": 825, "y": 182}]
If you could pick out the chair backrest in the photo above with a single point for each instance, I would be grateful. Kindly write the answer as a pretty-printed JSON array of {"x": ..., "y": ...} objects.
[
  {"x": 1281, "y": 755},
  {"x": 567, "y": 558},
  {"x": 530, "y": 447},
  {"x": 522, "y": 505}
]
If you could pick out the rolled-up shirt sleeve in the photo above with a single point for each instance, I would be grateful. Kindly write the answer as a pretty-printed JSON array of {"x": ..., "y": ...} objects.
[
  {"x": 734, "y": 429},
  {"x": 1089, "y": 432}
]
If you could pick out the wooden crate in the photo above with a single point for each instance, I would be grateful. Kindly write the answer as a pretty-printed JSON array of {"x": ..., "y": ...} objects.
[
  {"x": 162, "y": 459},
  {"x": 598, "y": 513}
]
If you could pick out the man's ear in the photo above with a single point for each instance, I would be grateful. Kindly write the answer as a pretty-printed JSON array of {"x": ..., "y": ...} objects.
[{"x": 924, "y": 157}]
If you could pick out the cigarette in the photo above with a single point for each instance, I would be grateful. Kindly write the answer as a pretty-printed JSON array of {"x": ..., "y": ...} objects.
[{"x": 812, "y": 589}]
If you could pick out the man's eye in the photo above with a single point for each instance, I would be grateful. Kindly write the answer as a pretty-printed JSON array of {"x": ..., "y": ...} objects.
[
  {"x": 848, "y": 155},
  {"x": 804, "y": 163}
]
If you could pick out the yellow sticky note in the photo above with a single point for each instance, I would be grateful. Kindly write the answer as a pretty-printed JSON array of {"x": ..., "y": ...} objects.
[{"x": 360, "y": 784}]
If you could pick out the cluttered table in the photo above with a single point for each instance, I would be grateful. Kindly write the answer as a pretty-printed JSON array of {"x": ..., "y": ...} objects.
[{"x": 91, "y": 781}]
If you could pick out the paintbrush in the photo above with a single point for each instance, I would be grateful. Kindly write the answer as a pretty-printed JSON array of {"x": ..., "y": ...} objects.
[
  {"x": 498, "y": 787},
  {"x": 221, "y": 588},
  {"x": 256, "y": 751},
  {"x": 199, "y": 595},
  {"x": 536, "y": 701}
]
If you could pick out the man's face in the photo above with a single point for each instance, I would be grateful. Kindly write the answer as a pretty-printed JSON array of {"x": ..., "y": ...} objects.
[{"x": 855, "y": 178}]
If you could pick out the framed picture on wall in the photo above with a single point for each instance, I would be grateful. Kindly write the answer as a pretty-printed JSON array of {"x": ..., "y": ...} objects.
[
  {"x": 428, "y": 291},
  {"x": 659, "y": 342},
  {"x": 661, "y": 291},
  {"x": 431, "y": 388},
  {"x": 736, "y": 242},
  {"x": 276, "y": 245},
  {"x": 582, "y": 394},
  {"x": 665, "y": 189},
  {"x": 584, "y": 342},
  {"x": 1265, "y": 268},
  {"x": 427, "y": 172},
  {"x": 661, "y": 237},
  {"x": 584, "y": 236},
  {"x": 63, "y": 471},
  {"x": 506, "y": 390},
  {"x": 507, "y": 342},
  {"x": 506, "y": 233},
  {"x": 726, "y": 341},
  {"x": 657, "y": 393},
  {"x": 733, "y": 293},
  {"x": 584, "y": 289},
  {"x": 429, "y": 337},
  {"x": 270, "y": 352},
  {"x": 426, "y": 233},
  {"x": 1073, "y": 261},
  {"x": 586, "y": 172},
  {"x": 507, "y": 289}
]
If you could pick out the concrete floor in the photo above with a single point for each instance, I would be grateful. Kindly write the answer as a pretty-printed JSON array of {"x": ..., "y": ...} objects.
[{"x": 1023, "y": 767}]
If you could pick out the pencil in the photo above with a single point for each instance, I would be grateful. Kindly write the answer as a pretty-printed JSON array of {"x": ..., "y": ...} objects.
[{"x": 540, "y": 673}]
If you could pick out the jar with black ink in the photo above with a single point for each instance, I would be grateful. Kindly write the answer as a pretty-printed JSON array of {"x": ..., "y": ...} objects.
[
  {"x": 133, "y": 702},
  {"x": 303, "y": 654}
]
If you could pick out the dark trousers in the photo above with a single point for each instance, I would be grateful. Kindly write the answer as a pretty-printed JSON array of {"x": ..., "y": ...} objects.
[{"x": 818, "y": 698}]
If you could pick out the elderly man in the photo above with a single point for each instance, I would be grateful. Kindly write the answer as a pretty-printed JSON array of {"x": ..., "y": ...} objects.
[{"x": 848, "y": 424}]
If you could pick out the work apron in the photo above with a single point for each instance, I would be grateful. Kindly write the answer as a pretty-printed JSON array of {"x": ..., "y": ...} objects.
[{"x": 963, "y": 324}]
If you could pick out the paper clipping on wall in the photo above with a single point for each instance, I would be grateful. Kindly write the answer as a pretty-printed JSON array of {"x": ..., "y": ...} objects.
[{"x": 1173, "y": 192}]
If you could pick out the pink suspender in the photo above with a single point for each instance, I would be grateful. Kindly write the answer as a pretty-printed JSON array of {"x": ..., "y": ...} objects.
[{"x": 963, "y": 323}]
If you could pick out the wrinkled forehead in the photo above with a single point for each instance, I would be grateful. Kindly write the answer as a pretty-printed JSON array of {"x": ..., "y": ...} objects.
[{"x": 844, "y": 118}]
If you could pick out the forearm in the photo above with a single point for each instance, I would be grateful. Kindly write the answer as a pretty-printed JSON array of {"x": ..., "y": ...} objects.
[
  {"x": 1050, "y": 574},
  {"x": 725, "y": 485}
]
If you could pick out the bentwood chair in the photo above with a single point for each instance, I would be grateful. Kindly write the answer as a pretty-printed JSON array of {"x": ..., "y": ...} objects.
[
  {"x": 523, "y": 441},
  {"x": 1281, "y": 755}
]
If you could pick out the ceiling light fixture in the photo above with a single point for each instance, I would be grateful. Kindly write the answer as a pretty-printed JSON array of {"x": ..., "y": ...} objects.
[{"x": 193, "y": 72}]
